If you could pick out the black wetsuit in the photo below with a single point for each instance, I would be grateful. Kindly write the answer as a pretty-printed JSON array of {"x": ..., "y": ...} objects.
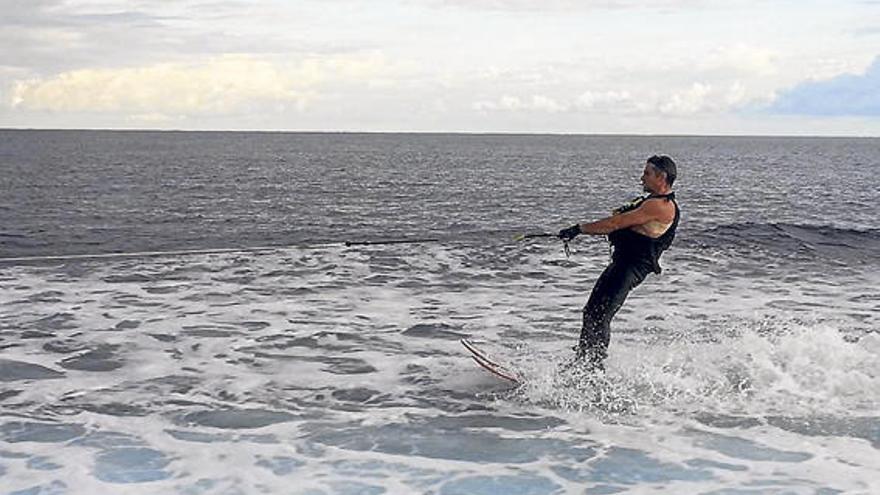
[{"x": 635, "y": 256}]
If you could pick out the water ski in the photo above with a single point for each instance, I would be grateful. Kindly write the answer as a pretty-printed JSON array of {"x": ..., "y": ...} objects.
[{"x": 491, "y": 365}]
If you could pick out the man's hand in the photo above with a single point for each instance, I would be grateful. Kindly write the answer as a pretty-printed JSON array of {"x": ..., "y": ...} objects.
[{"x": 570, "y": 232}]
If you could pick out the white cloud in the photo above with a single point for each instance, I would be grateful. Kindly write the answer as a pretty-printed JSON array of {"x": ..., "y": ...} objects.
[
  {"x": 689, "y": 101},
  {"x": 593, "y": 100},
  {"x": 547, "y": 104},
  {"x": 696, "y": 99},
  {"x": 154, "y": 118},
  {"x": 221, "y": 85},
  {"x": 570, "y": 5},
  {"x": 743, "y": 58},
  {"x": 706, "y": 98},
  {"x": 539, "y": 103}
]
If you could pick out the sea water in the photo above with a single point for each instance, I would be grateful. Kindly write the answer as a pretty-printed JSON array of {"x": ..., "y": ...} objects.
[{"x": 751, "y": 365}]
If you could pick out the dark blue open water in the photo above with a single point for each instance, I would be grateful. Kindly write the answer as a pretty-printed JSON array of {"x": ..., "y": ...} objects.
[{"x": 751, "y": 365}]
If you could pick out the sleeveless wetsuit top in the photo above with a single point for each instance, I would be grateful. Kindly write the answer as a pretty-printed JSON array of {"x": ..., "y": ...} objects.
[{"x": 633, "y": 247}]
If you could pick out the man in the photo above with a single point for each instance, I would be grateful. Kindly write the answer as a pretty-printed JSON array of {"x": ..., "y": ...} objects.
[{"x": 639, "y": 232}]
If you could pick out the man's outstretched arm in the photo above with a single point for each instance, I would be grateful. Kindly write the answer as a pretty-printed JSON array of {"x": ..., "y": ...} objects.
[{"x": 649, "y": 211}]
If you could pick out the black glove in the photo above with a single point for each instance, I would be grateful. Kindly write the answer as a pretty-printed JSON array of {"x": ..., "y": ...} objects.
[{"x": 570, "y": 233}]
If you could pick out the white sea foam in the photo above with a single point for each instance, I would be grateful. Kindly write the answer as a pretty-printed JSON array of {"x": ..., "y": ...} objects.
[
  {"x": 339, "y": 371},
  {"x": 768, "y": 368}
]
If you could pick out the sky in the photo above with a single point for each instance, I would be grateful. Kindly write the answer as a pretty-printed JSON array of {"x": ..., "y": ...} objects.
[{"x": 699, "y": 67}]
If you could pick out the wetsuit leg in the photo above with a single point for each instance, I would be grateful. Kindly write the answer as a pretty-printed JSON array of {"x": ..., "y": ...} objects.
[{"x": 607, "y": 297}]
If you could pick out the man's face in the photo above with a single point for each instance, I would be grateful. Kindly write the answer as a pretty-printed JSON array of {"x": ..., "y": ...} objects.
[{"x": 653, "y": 180}]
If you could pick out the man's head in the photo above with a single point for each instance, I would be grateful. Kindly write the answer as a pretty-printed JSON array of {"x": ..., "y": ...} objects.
[{"x": 659, "y": 174}]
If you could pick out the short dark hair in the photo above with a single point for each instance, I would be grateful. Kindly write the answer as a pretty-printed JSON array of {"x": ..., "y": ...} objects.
[{"x": 664, "y": 164}]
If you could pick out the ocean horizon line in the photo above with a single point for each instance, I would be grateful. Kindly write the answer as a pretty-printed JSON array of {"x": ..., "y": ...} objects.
[{"x": 433, "y": 133}]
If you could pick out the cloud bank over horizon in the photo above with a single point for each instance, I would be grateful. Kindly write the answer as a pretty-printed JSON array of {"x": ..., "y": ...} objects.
[{"x": 227, "y": 84}]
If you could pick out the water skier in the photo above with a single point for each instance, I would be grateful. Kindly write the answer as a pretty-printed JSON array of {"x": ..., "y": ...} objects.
[{"x": 639, "y": 232}]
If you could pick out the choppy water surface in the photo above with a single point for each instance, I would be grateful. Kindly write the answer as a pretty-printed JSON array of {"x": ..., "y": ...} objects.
[{"x": 751, "y": 365}]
